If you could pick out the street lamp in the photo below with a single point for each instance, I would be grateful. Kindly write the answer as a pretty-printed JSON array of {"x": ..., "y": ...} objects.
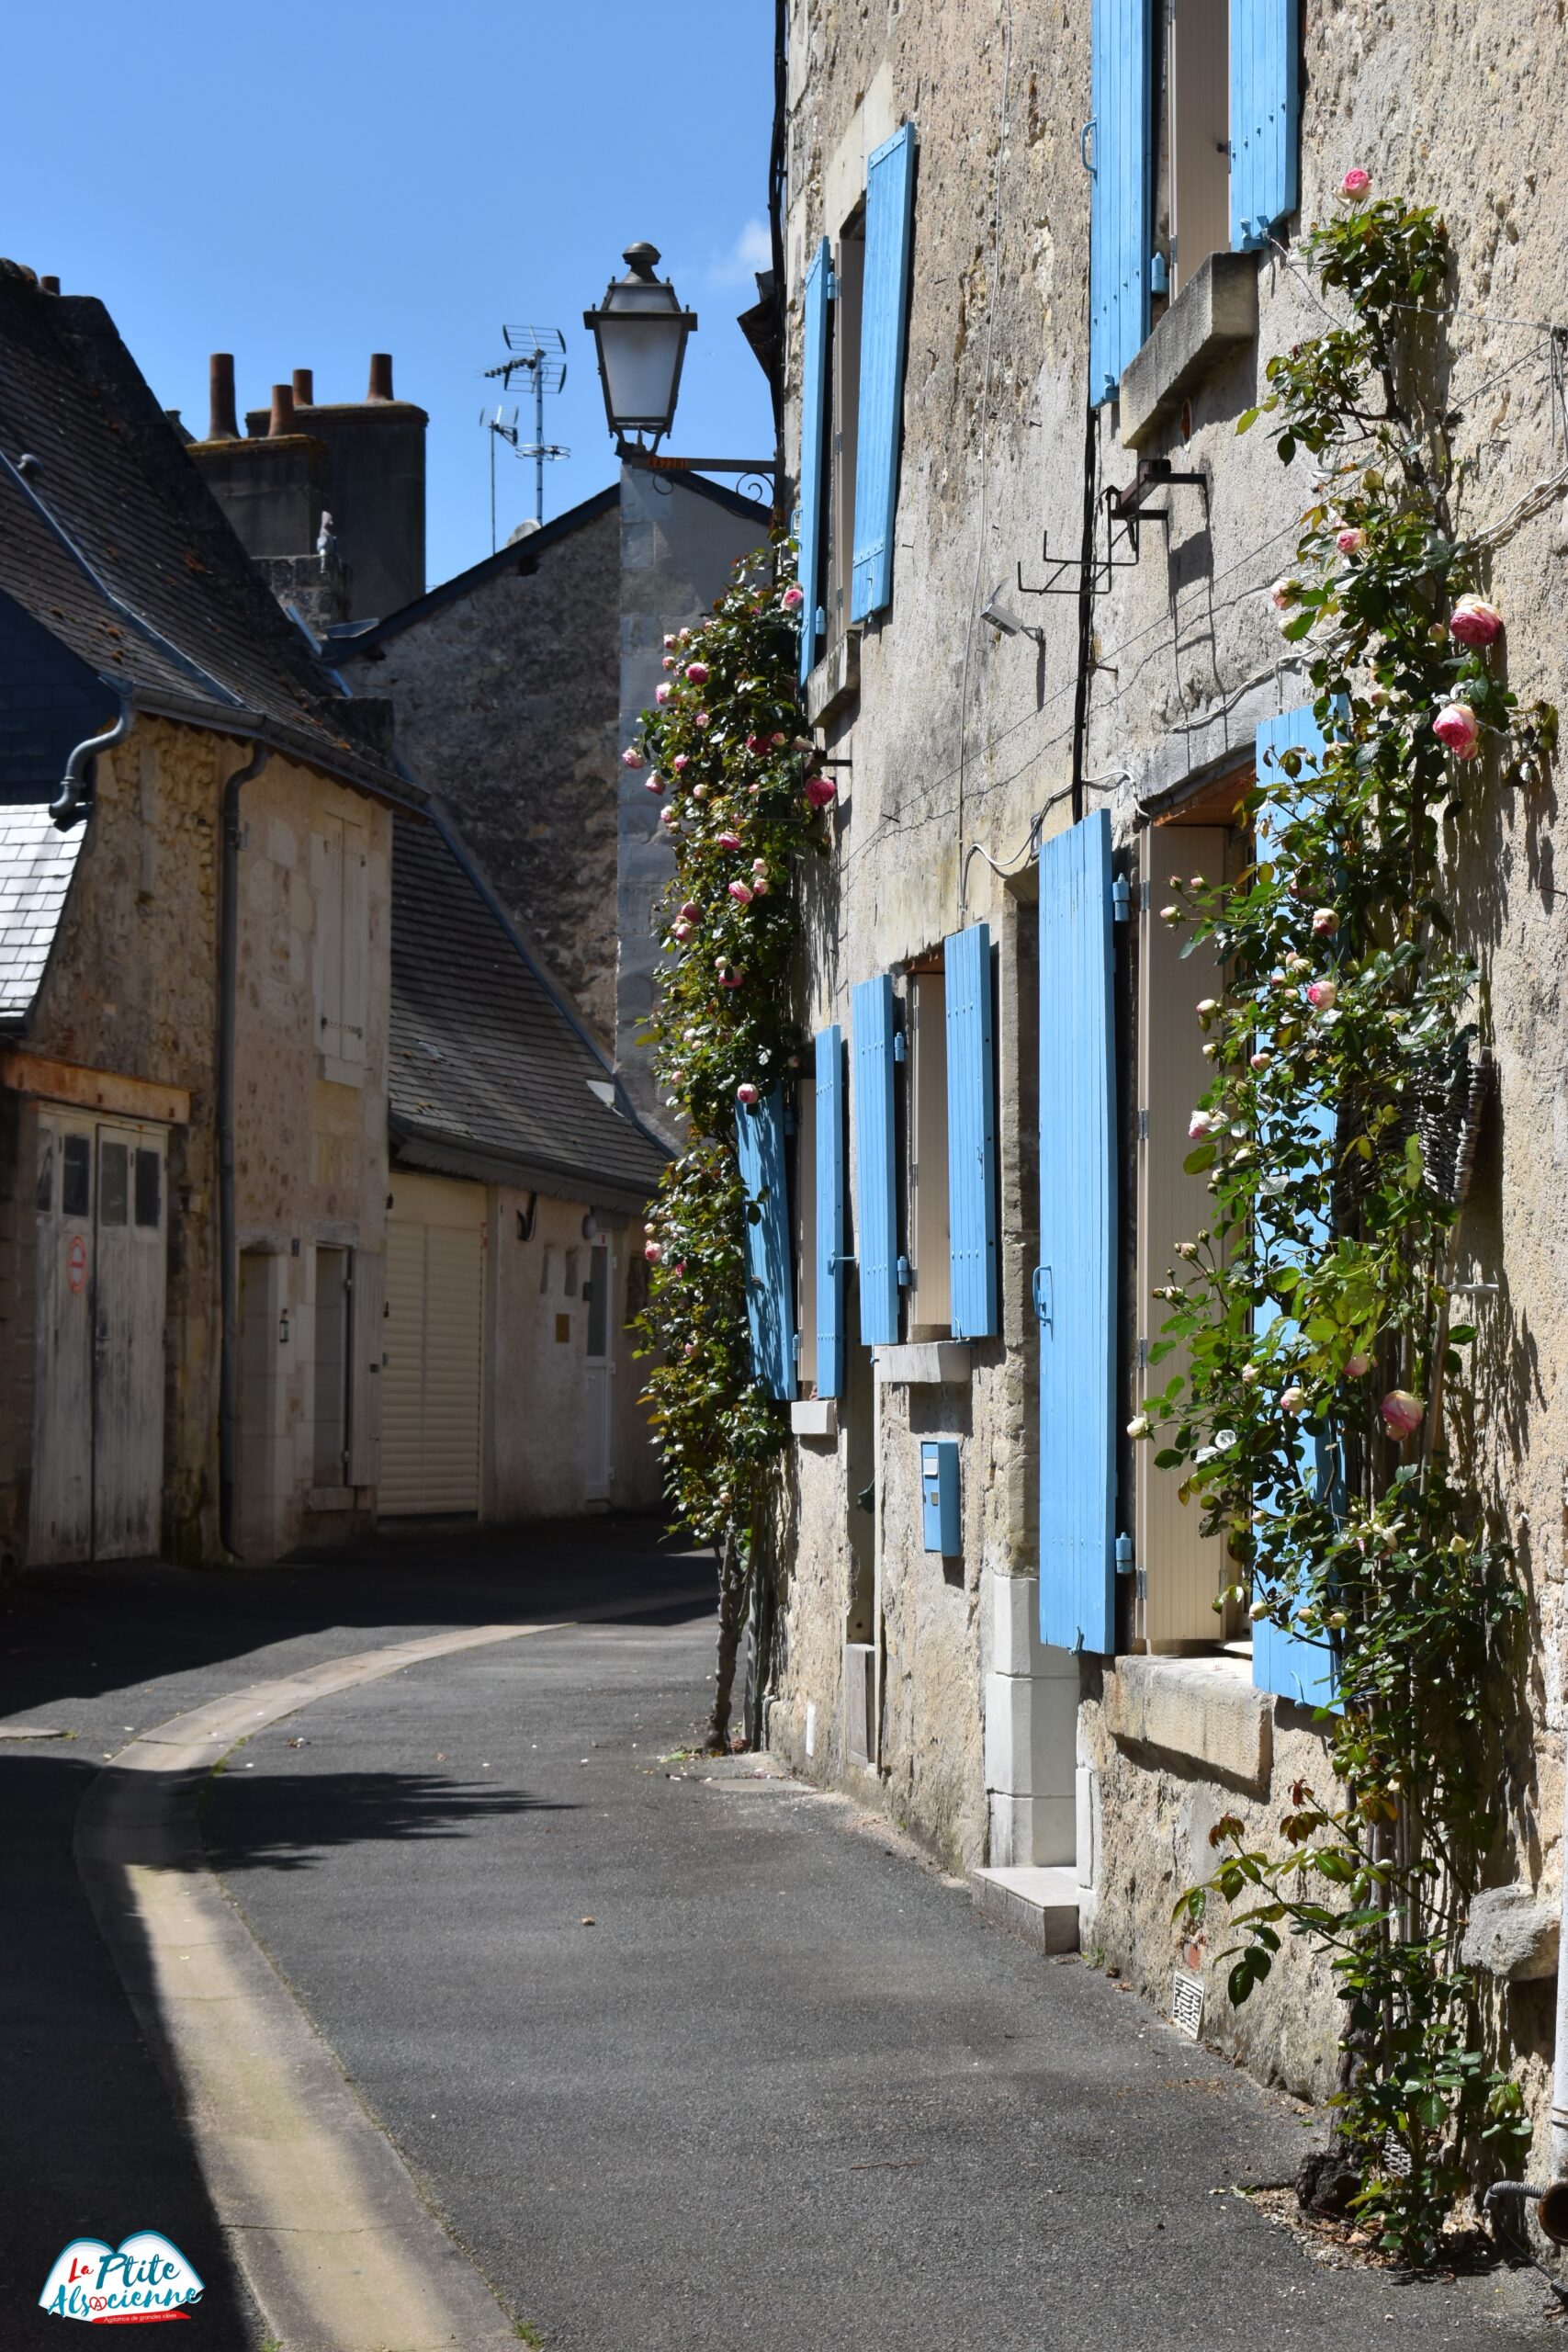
[{"x": 640, "y": 331}]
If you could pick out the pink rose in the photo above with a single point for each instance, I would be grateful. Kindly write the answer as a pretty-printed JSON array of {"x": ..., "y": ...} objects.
[
  {"x": 682, "y": 760},
  {"x": 690, "y": 912},
  {"x": 1457, "y": 726},
  {"x": 1402, "y": 1414},
  {"x": 668, "y": 662},
  {"x": 756, "y": 743},
  {"x": 680, "y": 931},
  {"x": 760, "y": 887},
  {"x": 1292, "y": 1400},
  {"x": 820, "y": 791},
  {"x": 653, "y": 1252},
  {"x": 729, "y": 841},
  {"x": 1198, "y": 1126},
  {"x": 759, "y": 865},
  {"x": 1474, "y": 621},
  {"x": 779, "y": 740},
  {"x": 1324, "y": 922},
  {"x": 631, "y": 757},
  {"x": 668, "y": 816},
  {"x": 1349, "y": 541},
  {"x": 699, "y": 718},
  {"x": 669, "y": 641},
  {"x": 730, "y": 979},
  {"x": 653, "y": 783},
  {"x": 698, "y": 672},
  {"x": 662, "y": 693},
  {"x": 1259, "y": 1060},
  {"x": 1322, "y": 996},
  {"x": 1357, "y": 1366},
  {"x": 1284, "y": 594},
  {"x": 742, "y": 893},
  {"x": 792, "y": 598},
  {"x": 746, "y": 1094},
  {"x": 1356, "y": 182}
]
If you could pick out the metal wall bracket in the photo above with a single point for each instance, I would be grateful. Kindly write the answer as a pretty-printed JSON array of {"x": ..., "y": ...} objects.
[{"x": 1126, "y": 512}]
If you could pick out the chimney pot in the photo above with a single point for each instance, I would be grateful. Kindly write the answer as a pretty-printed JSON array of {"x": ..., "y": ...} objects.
[
  {"x": 224, "y": 425},
  {"x": 304, "y": 388},
  {"x": 282, "y": 418},
  {"x": 49, "y": 285},
  {"x": 381, "y": 376}
]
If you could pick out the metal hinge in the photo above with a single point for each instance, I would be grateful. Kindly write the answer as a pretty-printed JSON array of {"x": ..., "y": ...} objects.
[
  {"x": 900, "y": 1047},
  {"x": 1143, "y": 1356},
  {"x": 1143, "y": 1126},
  {"x": 906, "y": 1273}
]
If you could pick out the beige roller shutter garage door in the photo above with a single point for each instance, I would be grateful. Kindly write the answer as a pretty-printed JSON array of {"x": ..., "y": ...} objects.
[{"x": 432, "y": 1400}]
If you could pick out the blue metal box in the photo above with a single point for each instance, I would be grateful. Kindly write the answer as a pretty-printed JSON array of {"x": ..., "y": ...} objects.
[{"x": 939, "y": 1494}]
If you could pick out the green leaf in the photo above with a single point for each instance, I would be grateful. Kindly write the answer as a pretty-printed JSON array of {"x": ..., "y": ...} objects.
[{"x": 1204, "y": 1157}]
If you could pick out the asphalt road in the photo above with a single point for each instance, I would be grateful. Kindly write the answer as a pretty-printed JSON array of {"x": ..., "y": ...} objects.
[{"x": 689, "y": 2061}]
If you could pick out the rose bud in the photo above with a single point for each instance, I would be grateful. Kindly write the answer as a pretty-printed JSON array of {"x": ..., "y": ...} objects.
[
  {"x": 654, "y": 782},
  {"x": 691, "y": 912},
  {"x": 699, "y": 718},
  {"x": 669, "y": 641},
  {"x": 742, "y": 893},
  {"x": 682, "y": 760},
  {"x": 729, "y": 841},
  {"x": 1139, "y": 1428},
  {"x": 1324, "y": 922},
  {"x": 1474, "y": 622},
  {"x": 631, "y": 757},
  {"x": 681, "y": 932},
  {"x": 661, "y": 693},
  {"x": 759, "y": 865},
  {"x": 1402, "y": 1413},
  {"x": 1284, "y": 594},
  {"x": 820, "y": 790},
  {"x": 746, "y": 1094},
  {"x": 1259, "y": 1060},
  {"x": 1356, "y": 182},
  {"x": 698, "y": 672},
  {"x": 668, "y": 816},
  {"x": 730, "y": 979},
  {"x": 1322, "y": 996},
  {"x": 1292, "y": 1400},
  {"x": 1356, "y": 1366},
  {"x": 1457, "y": 727},
  {"x": 792, "y": 598},
  {"x": 760, "y": 887},
  {"x": 653, "y": 1252},
  {"x": 1207, "y": 1004},
  {"x": 1349, "y": 541}
]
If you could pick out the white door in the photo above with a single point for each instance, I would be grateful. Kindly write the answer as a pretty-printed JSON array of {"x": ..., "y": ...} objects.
[
  {"x": 98, "y": 1397},
  {"x": 433, "y": 1393},
  {"x": 598, "y": 1372}
]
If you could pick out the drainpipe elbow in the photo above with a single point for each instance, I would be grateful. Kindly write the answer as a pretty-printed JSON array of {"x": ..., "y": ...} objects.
[{"x": 70, "y": 803}]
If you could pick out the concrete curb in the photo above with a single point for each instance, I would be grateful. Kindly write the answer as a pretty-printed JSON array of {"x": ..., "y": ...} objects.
[{"x": 340, "y": 2250}]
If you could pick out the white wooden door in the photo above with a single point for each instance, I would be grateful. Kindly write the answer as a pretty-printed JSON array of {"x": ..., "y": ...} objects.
[
  {"x": 432, "y": 1396},
  {"x": 598, "y": 1372},
  {"x": 61, "y": 1513},
  {"x": 127, "y": 1342}
]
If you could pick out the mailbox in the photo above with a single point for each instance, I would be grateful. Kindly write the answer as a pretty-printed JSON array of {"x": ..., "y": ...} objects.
[{"x": 939, "y": 1494}]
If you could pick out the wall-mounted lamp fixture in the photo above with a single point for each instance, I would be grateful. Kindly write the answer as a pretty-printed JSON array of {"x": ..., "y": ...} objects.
[
  {"x": 589, "y": 1227},
  {"x": 283, "y": 1328},
  {"x": 1007, "y": 623}
]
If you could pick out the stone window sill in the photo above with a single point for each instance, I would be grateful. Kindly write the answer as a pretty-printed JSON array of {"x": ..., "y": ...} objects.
[
  {"x": 835, "y": 682},
  {"x": 1203, "y": 1710},
  {"x": 815, "y": 1417},
  {"x": 1215, "y": 311},
  {"x": 928, "y": 1363}
]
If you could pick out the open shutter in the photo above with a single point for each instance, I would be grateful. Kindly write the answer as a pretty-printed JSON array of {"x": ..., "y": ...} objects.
[
  {"x": 1118, "y": 149},
  {"x": 831, "y": 1236},
  {"x": 769, "y": 1292},
  {"x": 884, "y": 305},
  {"x": 876, "y": 1203},
  {"x": 971, "y": 1134},
  {"x": 326, "y": 876},
  {"x": 813, "y": 453},
  {"x": 1292, "y": 1664},
  {"x": 367, "y": 1338},
  {"x": 1074, "y": 1286},
  {"x": 1265, "y": 104},
  {"x": 355, "y": 942}
]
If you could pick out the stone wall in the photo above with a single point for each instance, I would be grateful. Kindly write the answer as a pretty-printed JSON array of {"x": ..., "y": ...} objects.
[
  {"x": 961, "y": 742},
  {"x": 506, "y": 702}
]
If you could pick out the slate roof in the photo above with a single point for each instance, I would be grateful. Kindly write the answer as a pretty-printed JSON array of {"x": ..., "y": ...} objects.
[
  {"x": 115, "y": 545},
  {"x": 491, "y": 1074},
  {"x": 36, "y": 864}
]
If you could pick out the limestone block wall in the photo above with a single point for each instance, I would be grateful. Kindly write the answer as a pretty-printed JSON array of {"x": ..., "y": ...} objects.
[
  {"x": 506, "y": 703},
  {"x": 961, "y": 745}
]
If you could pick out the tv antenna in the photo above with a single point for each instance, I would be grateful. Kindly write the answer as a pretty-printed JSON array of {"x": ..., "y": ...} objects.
[{"x": 538, "y": 353}]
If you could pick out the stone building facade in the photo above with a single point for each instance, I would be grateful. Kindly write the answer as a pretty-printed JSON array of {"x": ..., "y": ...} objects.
[{"x": 944, "y": 153}]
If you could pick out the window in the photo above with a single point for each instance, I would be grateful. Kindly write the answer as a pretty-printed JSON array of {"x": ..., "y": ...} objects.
[
  {"x": 76, "y": 1188},
  {"x": 1191, "y": 147},
  {"x": 148, "y": 1187},
  {"x": 113, "y": 1175},
  {"x": 930, "y": 1292},
  {"x": 45, "y": 1194},
  {"x": 339, "y": 873}
]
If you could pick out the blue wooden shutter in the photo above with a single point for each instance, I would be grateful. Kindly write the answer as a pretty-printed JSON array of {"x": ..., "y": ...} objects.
[
  {"x": 831, "y": 1236},
  {"x": 876, "y": 1197},
  {"x": 770, "y": 1291},
  {"x": 1265, "y": 104},
  {"x": 971, "y": 1134},
  {"x": 813, "y": 452},
  {"x": 885, "y": 307},
  {"x": 1117, "y": 147},
  {"x": 1293, "y": 1665},
  {"x": 1076, "y": 1283}
]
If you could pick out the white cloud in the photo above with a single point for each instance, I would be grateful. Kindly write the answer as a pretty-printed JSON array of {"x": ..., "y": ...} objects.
[{"x": 753, "y": 250}]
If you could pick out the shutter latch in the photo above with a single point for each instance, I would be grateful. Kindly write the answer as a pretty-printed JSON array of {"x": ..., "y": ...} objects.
[{"x": 1042, "y": 1300}]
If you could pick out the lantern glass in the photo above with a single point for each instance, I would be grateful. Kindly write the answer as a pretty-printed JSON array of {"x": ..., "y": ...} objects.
[{"x": 640, "y": 331}]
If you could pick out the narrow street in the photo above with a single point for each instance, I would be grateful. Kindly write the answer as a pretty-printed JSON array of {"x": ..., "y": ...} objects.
[{"x": 682, "y": 2054}]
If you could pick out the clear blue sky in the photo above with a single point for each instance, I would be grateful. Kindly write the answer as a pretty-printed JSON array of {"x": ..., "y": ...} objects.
[{"x": 304, "y": 185}]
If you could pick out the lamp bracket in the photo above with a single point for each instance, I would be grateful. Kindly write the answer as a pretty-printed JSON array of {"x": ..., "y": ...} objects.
[{"x": 1126, "y": 510}]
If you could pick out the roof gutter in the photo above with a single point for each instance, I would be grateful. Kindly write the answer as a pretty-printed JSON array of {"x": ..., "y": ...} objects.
[
  {"x": 228, "y": 1230},
  {"x": 68, "y": 803}
]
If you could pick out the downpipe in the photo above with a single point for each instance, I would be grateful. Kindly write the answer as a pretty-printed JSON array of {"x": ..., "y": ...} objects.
[
  {"x": 71, "y": 804},
  {"x": 1550, "y": 2201},
  {"x": 228, "y": 1246}
]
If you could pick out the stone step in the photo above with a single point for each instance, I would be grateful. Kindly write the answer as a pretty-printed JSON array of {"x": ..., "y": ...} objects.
[{"x": 1041, "y": 1906}]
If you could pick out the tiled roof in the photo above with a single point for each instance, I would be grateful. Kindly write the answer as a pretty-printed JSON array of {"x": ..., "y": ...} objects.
[
  {"x": 491, "y": 1074},
  {"x": 112, "y": 541},
  {"x": 36, "y": 866}
]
